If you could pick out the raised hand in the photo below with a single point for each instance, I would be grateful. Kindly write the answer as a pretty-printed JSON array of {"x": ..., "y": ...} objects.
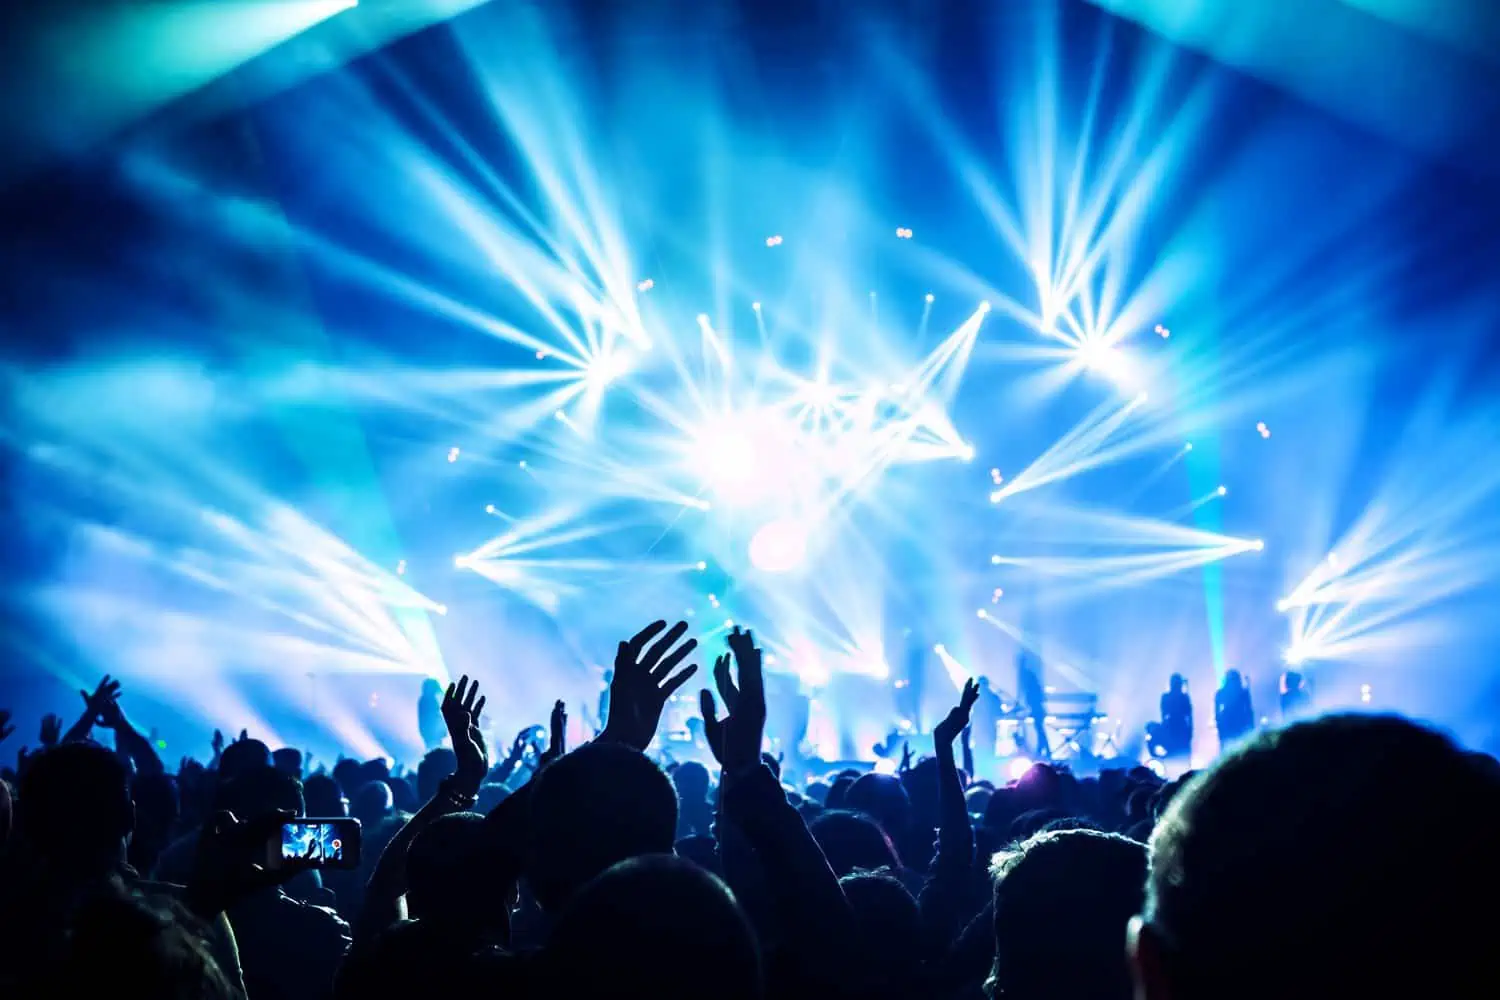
[
  {"x": 104, "y": 696},
  {"x": 558, "y": 742},
  {"x": 905, "y": 757},
  {"x": 945, "y": 732},
  {"x": 51, "y": 730},
  {"x": 217, "y": 743},
  {"x": 736, "y": 740},
  {"x": 5, "y": 727},
  {"x": 643, "y": 681},
  {"x": 462, "y": 704},
  {"x": 229, "y": 863}
]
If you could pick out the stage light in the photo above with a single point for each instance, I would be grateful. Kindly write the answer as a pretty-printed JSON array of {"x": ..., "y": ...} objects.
[
  {"x": 1364, "y": 693},
  {"x": 521, "y": 464},
  {"x": 995, "y": 597},
  {"x": 1163, "y": 332},
  {"x": 981, "y": 613},
  {"x": 902, "y": 233},
  {"x": 995, "y": 560},
  {"x": 702, "y": 565},
  {"x": 779, "y": 546},
  {"x": 729, "y": 623},
  {"x": 1283, "y": 605},
  {"x": 1294, "y": 657},
  {"x": 460, "y": 562},
  {"x": 929, "y": 297},
  {"x": 441, "y": 609},
  {"x": 773, "y": 241},
  {"x": 885, "y": 766},
  {"x": 489, "y": 508},
  {"x": 1258, "y": 545},
  {"x": 1188, "y": 446},
  {"x": 940, "y": 649},
  {"x": 966, "y": 452},
  {"x": 1223, "y": 491},
  {"x": 703, "y": 319},
  {"x": 1141, "y": 398},
  {"x": 645, "y": 286},
  {"x": 541, "y": 355},
  {"x": 453, "y": 454},
  {"x": 1262, "y": 429},
  {"x": 984, "y": 306},
  {"x": 755, "y": 306},
  {"x": 1017, "y": 768}
]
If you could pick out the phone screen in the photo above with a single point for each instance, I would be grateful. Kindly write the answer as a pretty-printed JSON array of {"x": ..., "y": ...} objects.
[{"x": 320, "y": 843}]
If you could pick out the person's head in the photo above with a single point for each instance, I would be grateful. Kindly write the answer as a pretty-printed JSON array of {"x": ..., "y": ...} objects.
[
  {"x": 436, "y": 766},
  {"x": 654, "y": 926},
  {"x": 1291, "y": 681},
  {"x": 446, "y": 872},
  {"x": 852, "y": 842},
  {"x": 883, "y": 798},
  {"x": 1233, "y": 681},
  {"x": 1344, "y": 842},
  {"x": 888, "y": 924},
  {"x": 691, "y": 781},
  {"x": 1176, "y": 683},
  {"x": 431, "y": 688},
  {"x": 372, "y": 803},
  {"x": 595, "y": 807},
  {"x": 1062, "y": 904},
  {"x": 288, "y": 760},
  {"x": 119, "y": 939},
  {"x": 241, "y": 756},
  {"x": 74, "y": 810},
  {"x": 260, "y": 792},
  {"x": 984, "y": 683},
  {"x": 977, "y": 799},
  {"x": 324, "y": 797}
]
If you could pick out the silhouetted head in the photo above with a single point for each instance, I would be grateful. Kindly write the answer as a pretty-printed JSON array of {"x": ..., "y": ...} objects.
[
  {"x": 1063, "y": 901},
  {"x": 1291, "y": 681},
  {"x": 324, "y": 797},
  {"x": 984, "y": 683},
  {"x": 447, "y": 871},
  {"x": 288, "y": 760},
  {"x": 597, "y": 806},
  {"x": 432, "y": 688},
  {"x": 1343, "y": 842},
  {"x": 74, "y": 810},
  {"x": 1233, "y": 681},
  {"x": 241, "y": 756},
  {"x": 436, "y": 766},
  {"x": 882, "y": 797},
  {"x": 888, "y": 924},
  {"x": 1176, "y": 683},
  {"x": 691, "y": 781},
  {"x": 657, "y": 927},
  {"x": 854, "y": 842},
  {"x": 119, "y": 940},
  {"x": 977, "y": 799},
  {"x": 346, "y": 773},
  {"x": 372, "y": 803},
  {"x": 260, "y": 792}
]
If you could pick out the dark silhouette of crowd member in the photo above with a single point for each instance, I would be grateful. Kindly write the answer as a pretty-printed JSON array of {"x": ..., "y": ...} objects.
[
  {"x": 1342, "y": 857},
  {"x": 289, "y": 949},
  {"x": 288, "y": 760},
  {"x": 430, "y": 715},
  {"x": 1033, "y": 695},
  {"x": 988, "y": 711},
  {"x": 1172, "y": 736},
  {"x": 695, "y": 814},
  {"x": 1296, "y": 699},
  {"x": 653, "y": 926},
  {"x": 1062, "y": 904},
  {"x": 853, "y": 842},
  {"x": 74, "y": 819},
  {"x": 883, "y": 798},
  {"x": 888, "y": 928},
  {"x": 1233, "y": 715}
]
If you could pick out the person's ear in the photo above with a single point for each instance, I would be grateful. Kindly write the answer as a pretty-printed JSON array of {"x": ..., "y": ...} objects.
[{"x": 1143, "y": 949}]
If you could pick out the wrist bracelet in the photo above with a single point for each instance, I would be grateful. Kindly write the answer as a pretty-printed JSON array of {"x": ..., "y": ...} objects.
[{"x": 451, "y": 792}]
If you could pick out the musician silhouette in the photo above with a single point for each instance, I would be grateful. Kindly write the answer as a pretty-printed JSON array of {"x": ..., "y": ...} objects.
[{"x": 1033, "y": 697}]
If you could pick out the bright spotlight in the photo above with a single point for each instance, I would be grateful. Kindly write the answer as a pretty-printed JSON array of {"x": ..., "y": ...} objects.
[
  {"x": 702, "y": 565},
  {"x": 994, "y": 560},
  {"x": 940, "y": 649},
  {"x": 1223, "y": 491},
  {"x": 1283, "y": 605},
  {"x": 779, "y": 546},
  {"x": 1259, "y": 545},
  {"x": 645, "y": 286},
  {"x": 1188, "y": 446},
  {"x": 1017, "y": 768},
  {"x": 1294, "y": 657},
  {"x": 755, "y": 306},
  {"x": 930, "y": 297},
  {"x": 441, "y": 609},
  {"x": 966, "y": 452},
  {"x": 703, "y": 319},
  {"x": 401, "y": 568},
  {"x": 1141, "y": 398},
  {"x": 460, "y": 562},
  {"x": 981, "y": 613},
  {"x": 489, "y": 508},
  {"x": 984, "y": 306},
  {"x": 453, "y": 454},
  {"x": 885, "y": 766}
]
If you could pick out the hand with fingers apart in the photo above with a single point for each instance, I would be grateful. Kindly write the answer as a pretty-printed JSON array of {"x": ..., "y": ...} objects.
[
  {"x": 643, "y": 681},
  {"x": 461, "y": 707},
  {"x": 102, "y": 701},
  {"x": 945, "y": 732},
  {"x": 736, "y": 739},
  {"x": 558, "y": 737},
  {"x": 51, "y": 730}
]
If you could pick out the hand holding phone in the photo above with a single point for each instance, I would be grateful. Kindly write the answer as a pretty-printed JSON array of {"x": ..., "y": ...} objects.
[{"x": 308, "y": 842}]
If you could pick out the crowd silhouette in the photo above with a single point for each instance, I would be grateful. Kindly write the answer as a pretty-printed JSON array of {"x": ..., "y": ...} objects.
[{"x": 1349, "y": 855}]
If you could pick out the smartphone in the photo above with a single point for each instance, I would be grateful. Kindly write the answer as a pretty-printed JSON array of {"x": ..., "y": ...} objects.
[{"x": 316, "y": 843}]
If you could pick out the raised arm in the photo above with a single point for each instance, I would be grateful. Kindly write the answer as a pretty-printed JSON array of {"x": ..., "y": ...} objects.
[
  {"x": 383, "y": 904},
  {"x": 128, "y": 739},
  {"x": 941, "y": 898}
]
